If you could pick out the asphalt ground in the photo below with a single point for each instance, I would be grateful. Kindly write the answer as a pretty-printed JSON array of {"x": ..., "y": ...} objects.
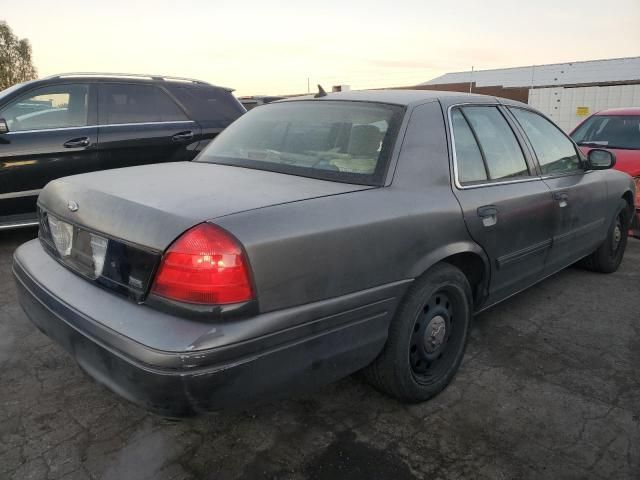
[{"x": 549, "y": 388}]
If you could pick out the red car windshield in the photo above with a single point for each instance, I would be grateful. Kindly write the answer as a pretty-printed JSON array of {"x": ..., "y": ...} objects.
[{"x": 610, "y": 131}]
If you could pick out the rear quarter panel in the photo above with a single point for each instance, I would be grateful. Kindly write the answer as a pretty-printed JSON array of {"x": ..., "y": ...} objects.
[{"x": 326, "y": 247}]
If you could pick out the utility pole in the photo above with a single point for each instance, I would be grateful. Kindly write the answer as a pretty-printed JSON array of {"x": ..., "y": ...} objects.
[
  {"x": 308, "y": 87},
  {"x": 471, "y": 79},
  {"x": 533, "y": 71}
]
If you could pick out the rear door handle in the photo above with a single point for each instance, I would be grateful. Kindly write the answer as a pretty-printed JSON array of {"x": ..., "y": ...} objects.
[
  {"x": 562, "y": 198},
  {"x": 183, "y": 136},
  {"x": 77, "y": 142},
  {"x": 489, "y": 215}
]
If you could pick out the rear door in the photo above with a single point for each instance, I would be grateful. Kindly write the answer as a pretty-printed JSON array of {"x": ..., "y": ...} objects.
[
  {"x": 142, "y": 123},
  {"x": 52, "y": 134},
  {"x": 507, "y": 208},
  {"x": 579, "y": 195}
]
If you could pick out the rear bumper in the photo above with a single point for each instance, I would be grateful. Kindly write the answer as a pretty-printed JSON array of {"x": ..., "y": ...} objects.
[{"x": 180, "y": 367}]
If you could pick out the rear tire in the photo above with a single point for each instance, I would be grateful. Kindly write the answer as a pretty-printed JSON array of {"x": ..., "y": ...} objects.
[
  {"x": 608, "y": 256},
  {"x": 427, "y": 337}
]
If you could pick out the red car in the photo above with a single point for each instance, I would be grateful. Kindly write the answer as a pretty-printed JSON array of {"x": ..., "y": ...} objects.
[{"x": 618, "y": 130}]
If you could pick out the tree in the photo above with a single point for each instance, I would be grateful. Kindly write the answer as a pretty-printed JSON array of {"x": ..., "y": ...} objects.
[{"x": 15, "y": 58}]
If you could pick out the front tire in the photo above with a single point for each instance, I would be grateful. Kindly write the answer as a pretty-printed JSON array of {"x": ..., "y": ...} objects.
[
  {"x": 608, "y": 256},
  {"x": 427, "y": 337}
]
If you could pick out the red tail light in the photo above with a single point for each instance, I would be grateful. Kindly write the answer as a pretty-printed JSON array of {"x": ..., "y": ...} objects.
[
  {"x": 205, "y": 265},
  {"x": 637, "y": 180}
]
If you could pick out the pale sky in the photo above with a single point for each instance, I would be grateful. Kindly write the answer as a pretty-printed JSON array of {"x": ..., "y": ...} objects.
[{"x": 262, "y": 47}]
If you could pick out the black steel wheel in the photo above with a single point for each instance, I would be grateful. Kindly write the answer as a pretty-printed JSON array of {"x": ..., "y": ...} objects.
[
  {"x": 435, "y": 339},
  {"x": 427, "y": 337}
]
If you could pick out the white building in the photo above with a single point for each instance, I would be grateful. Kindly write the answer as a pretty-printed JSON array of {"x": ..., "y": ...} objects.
[{"x": 566, "y": 92}]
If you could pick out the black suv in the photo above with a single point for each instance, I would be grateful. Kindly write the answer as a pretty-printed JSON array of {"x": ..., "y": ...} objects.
[{"x": 80, "y": 122}]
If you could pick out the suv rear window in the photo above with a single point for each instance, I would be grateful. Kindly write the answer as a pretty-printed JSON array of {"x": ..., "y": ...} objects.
[{"x": 333, "y": 140}]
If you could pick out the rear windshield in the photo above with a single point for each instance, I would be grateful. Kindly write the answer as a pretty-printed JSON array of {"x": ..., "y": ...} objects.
[
  {"x": 611, "y": 131},
  {"x": 332, "y": 140}
]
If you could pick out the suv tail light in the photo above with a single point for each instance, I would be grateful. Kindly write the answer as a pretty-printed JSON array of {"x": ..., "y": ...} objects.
[
  {"x": 205, "y": 265},
  {"x": 637, "y": 180}
]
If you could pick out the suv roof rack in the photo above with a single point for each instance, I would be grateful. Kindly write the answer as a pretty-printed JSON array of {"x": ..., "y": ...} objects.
[{"x": 127, "y": 75}]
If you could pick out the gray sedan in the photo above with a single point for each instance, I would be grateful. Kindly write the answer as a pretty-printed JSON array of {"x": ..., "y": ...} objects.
[{"x": 313, "y": 238}]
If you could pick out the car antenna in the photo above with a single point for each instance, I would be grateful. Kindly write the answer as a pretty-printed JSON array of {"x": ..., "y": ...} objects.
[{"x": 321, "y": 92}]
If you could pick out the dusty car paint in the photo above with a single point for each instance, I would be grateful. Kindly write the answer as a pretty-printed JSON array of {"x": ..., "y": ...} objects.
[{"x": 330, "y": 262}]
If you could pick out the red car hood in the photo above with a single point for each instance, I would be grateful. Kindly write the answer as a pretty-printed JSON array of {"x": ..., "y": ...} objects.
[{"x": 627, "y": 161}]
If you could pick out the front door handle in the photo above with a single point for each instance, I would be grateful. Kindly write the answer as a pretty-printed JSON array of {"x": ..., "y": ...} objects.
[
  {"x": 489, "y": 215},
  {"x": 562, "y": 198},
  {"x": 183, "y": 136},
  {"x": 77, "y": 142}
]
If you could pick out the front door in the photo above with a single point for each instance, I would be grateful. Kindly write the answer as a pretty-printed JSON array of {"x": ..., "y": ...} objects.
[
  {"x": 579, "y": 195},
  {"x": 141, "y": 124},
  {"x": 507, "y": 208},
  {"x": 52, "y": 134}
]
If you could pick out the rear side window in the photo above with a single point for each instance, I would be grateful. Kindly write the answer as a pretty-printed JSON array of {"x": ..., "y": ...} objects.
[
  {"x": 484, "y": 141},
  {"x": 124, "y": 103},
  {"x": 471, "y": 166},
  {"x": 216, "y": 106},
  {"x": 556, "y": 153}
]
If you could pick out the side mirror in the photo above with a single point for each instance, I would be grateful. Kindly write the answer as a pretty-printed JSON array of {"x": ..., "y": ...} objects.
[
  {"x": 600, "y": 159},
  {"x": 4, "y": 128}
]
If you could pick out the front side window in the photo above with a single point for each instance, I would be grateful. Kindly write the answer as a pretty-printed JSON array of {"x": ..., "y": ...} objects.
[
  {"x": 342, "y": 141},
  {"x": 125, "y": 103},
  {"x": 555, "y": 152},
  {"x": 609, "y": 131},
  {"x": 59, "y": 106},
  {"x": 484, "y": 141}
]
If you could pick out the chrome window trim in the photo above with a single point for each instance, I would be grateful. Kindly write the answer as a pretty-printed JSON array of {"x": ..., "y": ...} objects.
[
  {"x": 144, "y": 123},
  {"x": 98, "y": 126},
  {"x": 24, "y": 223},
  {"x": 20, "y": 194},
  {"x": 455, "y": 159},
  {"x": 48, "y": 130},
  {"x": 567, "y": 174}
]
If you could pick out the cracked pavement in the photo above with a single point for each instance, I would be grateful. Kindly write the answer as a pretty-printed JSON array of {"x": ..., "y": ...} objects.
[{"x": 549, "y": 388}]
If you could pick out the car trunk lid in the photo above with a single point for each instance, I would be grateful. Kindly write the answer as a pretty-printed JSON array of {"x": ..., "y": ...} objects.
[
  {"x": 113, "y": 226},
  {"x": 151, "y": 205}
]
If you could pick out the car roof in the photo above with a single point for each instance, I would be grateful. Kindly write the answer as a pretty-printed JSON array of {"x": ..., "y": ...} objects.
[
  {"x": 620, "y": 111},
  {"x": 406, "y": 97}
]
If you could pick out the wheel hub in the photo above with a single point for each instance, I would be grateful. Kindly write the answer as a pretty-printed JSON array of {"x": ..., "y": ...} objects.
[
  {"x": 429, "y": 347},
  {"x": 617, "y": 236},
  {"x": 435, "y": 333}
]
